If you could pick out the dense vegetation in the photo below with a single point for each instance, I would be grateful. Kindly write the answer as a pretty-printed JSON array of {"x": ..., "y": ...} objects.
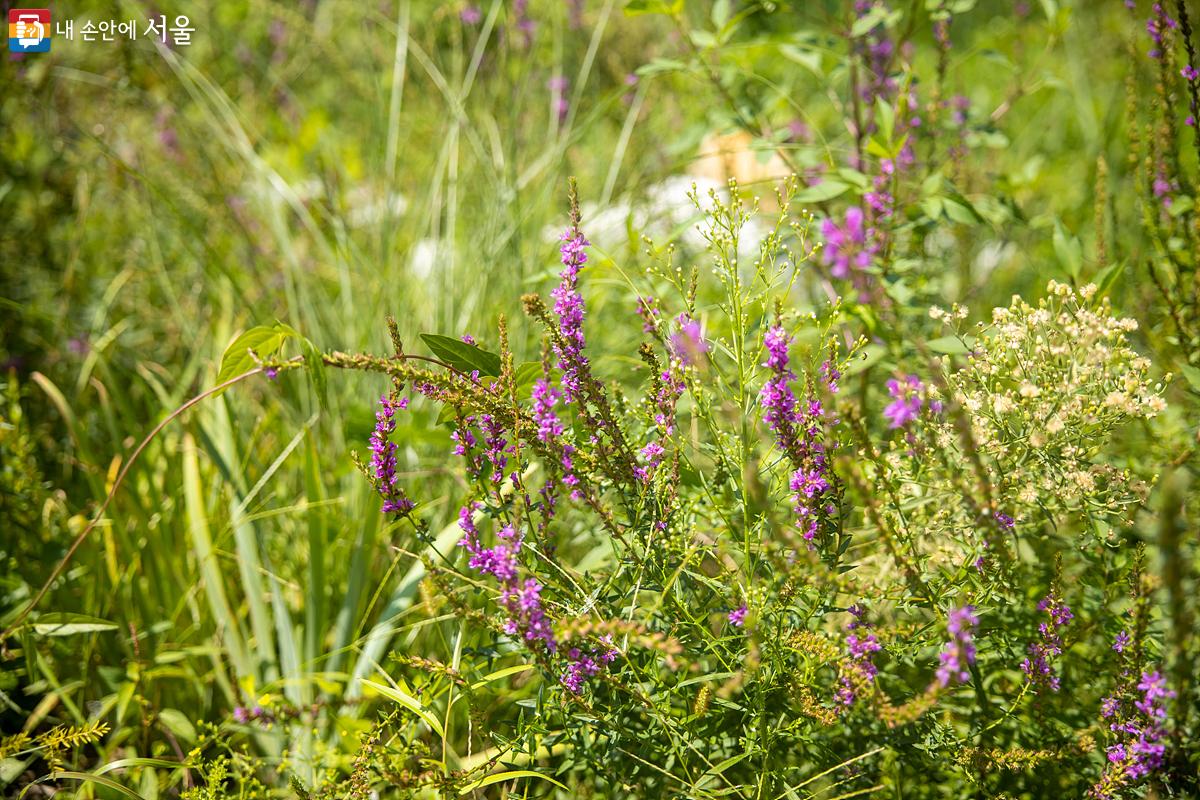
[{"x": 603, "y": 399}]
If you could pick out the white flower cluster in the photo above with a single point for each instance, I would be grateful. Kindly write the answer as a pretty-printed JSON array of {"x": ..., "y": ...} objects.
[{"x": 1043, "y": 391}]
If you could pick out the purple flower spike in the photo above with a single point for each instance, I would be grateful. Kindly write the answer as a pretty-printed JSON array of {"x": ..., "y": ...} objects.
[
  {"x": 959, "y": 653},
  {"x": 849, "y": 245},
  {"x": 907, "y": 400},
  {"x": 1039, "y": 665},
  {"x": 568, "y": 304},
  {"x": 383, "y": 457}
]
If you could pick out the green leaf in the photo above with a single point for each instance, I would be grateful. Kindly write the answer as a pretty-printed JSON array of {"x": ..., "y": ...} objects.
[
  {"x": 932, "y": 206},
  {"x": 1192, "y": 375},
  {"x": 885, "y": 119},
  {"x": 462, "y": 356},
  {"x": 1068, "y": 249},
  {"x": 720, "y": 13},
  {"x": 178, "y": 724},
  {"x": 871, "y": 355},
  {"x": 867, "y": 22},
  {"x": 64, "y": 623},
  {"x": 263, "y": 340},
  {"x": 948, "y": 345},
  {"x": 501, "y": 777},
  {"x": 1109, "y": 275},
  {"x": 409, "y": 702},
  {"x": 501, "y": 673},
  {"x": 525, "y": 375},
  {"x": 659, "y": 66},
  {"x": 960, "y": 209},
  {"x": 85, "y": 777},
  {"x": 825, "y": 190},
  {"x": 635, "y": 8}
]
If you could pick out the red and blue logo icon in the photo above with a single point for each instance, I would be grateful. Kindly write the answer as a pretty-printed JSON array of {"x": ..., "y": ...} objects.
[{"x": 29, "y": 30}]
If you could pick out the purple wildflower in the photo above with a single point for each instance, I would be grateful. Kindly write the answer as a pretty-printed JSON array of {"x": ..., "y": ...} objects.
[
  {"x": 737, "y": 617},
  {"x": 858, "y": 670},
  {"x": 687, "y": 343},
  {"x": 830, "y": 374},
  {"x": 470, "y": 15},
  {"x": 798, "y": 433},
  {"x": 1140, "y": 726},
  {"x": 653, "y": 453},
  {"x": 523, "y": 602},
  {"x": 959, "y": 653},
  {"x": 544, "y": 398},
  {"x": 1121, "y": 642},
  {"x": 647, "y": 309},
  {"x": 876, "y": 50},
  {"x": 907, "y": 400},
  {"x": 1038, "y": 665},
  {"x": 582, "y": 665},
  {"x": 850, "y": 245},
  {"x": 383, "y": 457},
  {"x": 1158, "y": 26},
  {"x": 568, "y": 304}
]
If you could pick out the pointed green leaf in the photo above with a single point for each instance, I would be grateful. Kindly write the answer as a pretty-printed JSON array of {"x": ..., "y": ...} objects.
[
  {"x": 462, "y": 356},
  {"x": 502, "y": 777},
  {"x": 263, "y": 340},
  {"x": 409, "y": 702},
  {"x": 64, "y": 623}
]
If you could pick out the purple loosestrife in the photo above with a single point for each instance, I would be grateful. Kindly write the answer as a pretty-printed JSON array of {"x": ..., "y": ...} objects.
[
  {"x": 522, "y": 601},
  {"x": 545, "y": 397},
  {"x": 958, "y": 654},
  {"x": 907, "y": 395},
  {"x": 857, "y": 670},
  {"x": 470, "y": 15},
  {"x": 810, "y": 479},
  {"x": 1139, "y": 723},
  {"x": 777, "y": 400},
  {"x": 687, "y": 343},
  {"x": 1038, "y": 666},
  {"x": 876, "y": 49},
  {"x": 848, "y": 246},
  {"x": 652, "y": 453},
  {"x": 383, "y": 457},
  {"x": 568, "y": 305},
  {"x": 647, "y": 309},
  {"x": 582, "y": 665},
  {"x": 831, "y": 375},
  {"x": 1121, "y": 641},
  {"x": 798, "y": 429},
  {"x": 1158, "y": 26},
  {"x": 737, "y": 617},
  {"x": 496, "y": 445}
]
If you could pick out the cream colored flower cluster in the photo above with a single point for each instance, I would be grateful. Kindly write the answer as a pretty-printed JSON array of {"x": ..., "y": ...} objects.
[{"x": 1042, "y": 391}]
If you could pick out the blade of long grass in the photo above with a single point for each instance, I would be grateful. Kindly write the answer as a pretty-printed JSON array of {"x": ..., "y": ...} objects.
[{"x": 210, "y": 572}]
